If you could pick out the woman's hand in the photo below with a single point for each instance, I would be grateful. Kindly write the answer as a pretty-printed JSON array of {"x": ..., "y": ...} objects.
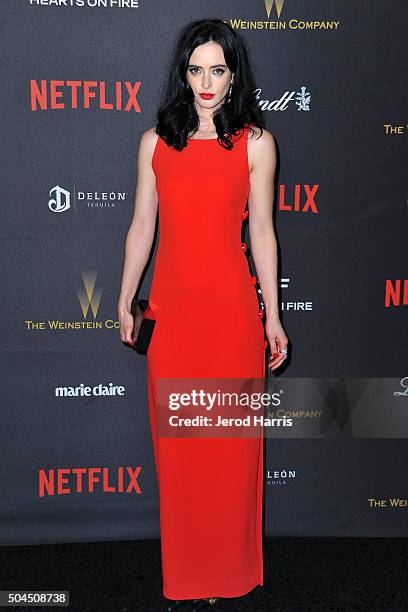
[
  {"x": 277, "y": 341},
  {"x": 127, "y": 325}
]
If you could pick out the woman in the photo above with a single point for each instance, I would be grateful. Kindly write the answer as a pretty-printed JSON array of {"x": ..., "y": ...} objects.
[{"x": 206, "y": 157}]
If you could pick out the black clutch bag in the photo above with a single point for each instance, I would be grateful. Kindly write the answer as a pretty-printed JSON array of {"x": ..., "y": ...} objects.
[{"x": 143, "y": 326}]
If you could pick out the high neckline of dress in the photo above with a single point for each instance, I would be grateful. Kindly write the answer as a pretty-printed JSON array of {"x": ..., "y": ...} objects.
[{"x": 201, "y": 139}]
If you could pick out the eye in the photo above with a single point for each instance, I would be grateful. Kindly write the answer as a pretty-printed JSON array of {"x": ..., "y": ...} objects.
[{"x": 219, "y": 71}]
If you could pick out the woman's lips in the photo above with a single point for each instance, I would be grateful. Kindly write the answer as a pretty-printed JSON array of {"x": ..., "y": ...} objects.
[{"x": 206, "y": 96}]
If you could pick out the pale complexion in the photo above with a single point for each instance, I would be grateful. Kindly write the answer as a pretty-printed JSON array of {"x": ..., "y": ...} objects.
[{"x": 208, "y": 72}]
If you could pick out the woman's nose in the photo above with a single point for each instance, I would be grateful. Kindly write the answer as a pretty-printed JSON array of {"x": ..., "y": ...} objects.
[{"x": 207, "y": 81}]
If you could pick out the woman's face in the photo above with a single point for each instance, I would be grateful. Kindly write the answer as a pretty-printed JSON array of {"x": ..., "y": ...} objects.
[{"x": 207, "y": 73}]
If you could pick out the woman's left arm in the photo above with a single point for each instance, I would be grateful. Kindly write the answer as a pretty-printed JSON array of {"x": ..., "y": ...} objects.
[{"x": 262, "y": 166}]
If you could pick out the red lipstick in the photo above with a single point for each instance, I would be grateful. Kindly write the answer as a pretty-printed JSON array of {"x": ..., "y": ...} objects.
[{"x": 206, "y": 96}]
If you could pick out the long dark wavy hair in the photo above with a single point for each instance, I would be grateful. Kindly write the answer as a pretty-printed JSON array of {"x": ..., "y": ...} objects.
[{"x": 177, "y": 116}]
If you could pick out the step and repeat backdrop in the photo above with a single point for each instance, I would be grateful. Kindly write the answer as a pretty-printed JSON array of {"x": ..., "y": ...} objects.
[{"x": 81, "y": 80}]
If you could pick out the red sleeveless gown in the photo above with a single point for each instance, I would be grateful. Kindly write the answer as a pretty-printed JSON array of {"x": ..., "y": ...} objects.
[{"x": 207, "y": 325}]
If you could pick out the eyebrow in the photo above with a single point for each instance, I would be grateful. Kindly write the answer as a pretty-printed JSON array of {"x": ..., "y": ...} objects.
[{"x": 216, "y": 66}]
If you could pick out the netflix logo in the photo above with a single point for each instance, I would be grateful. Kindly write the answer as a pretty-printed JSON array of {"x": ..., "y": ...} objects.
[
  {"x": 300, "y": 198},
  {"x": 56, "y": 94},
  {"x": 396, "y": 293},
  {"x": 66, "y": 481}
]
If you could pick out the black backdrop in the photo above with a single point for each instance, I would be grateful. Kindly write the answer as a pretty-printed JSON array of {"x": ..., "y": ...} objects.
[{"x": 331, "y": 82}]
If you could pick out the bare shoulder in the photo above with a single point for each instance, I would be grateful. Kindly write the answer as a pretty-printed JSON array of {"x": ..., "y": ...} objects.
[
  {"x": 260, "y": 140},
  {"x": 147, "y": 145},
  {"x": 148, "y": 141},
  {"x": 261, "y": 147}
]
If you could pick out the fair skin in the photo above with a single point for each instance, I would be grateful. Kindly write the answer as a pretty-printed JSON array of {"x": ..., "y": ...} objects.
[{"x": 207, "y": 72}]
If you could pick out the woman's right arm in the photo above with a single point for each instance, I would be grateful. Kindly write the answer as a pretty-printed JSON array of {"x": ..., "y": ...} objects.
[{"x": 140, "y": 235}]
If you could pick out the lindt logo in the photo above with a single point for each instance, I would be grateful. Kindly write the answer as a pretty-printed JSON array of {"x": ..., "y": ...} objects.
[{"x": 301, "y": 99}]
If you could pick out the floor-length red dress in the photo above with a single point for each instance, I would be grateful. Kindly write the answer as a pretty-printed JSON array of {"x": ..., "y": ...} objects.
[{"x": 208, "y": 324}]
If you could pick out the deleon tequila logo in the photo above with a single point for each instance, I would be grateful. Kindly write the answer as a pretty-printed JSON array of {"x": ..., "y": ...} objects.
[
  {"x": 404, "y": 385},
  {"x": 280, "y": 477},
  {"x": 60, "y": 199}
]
